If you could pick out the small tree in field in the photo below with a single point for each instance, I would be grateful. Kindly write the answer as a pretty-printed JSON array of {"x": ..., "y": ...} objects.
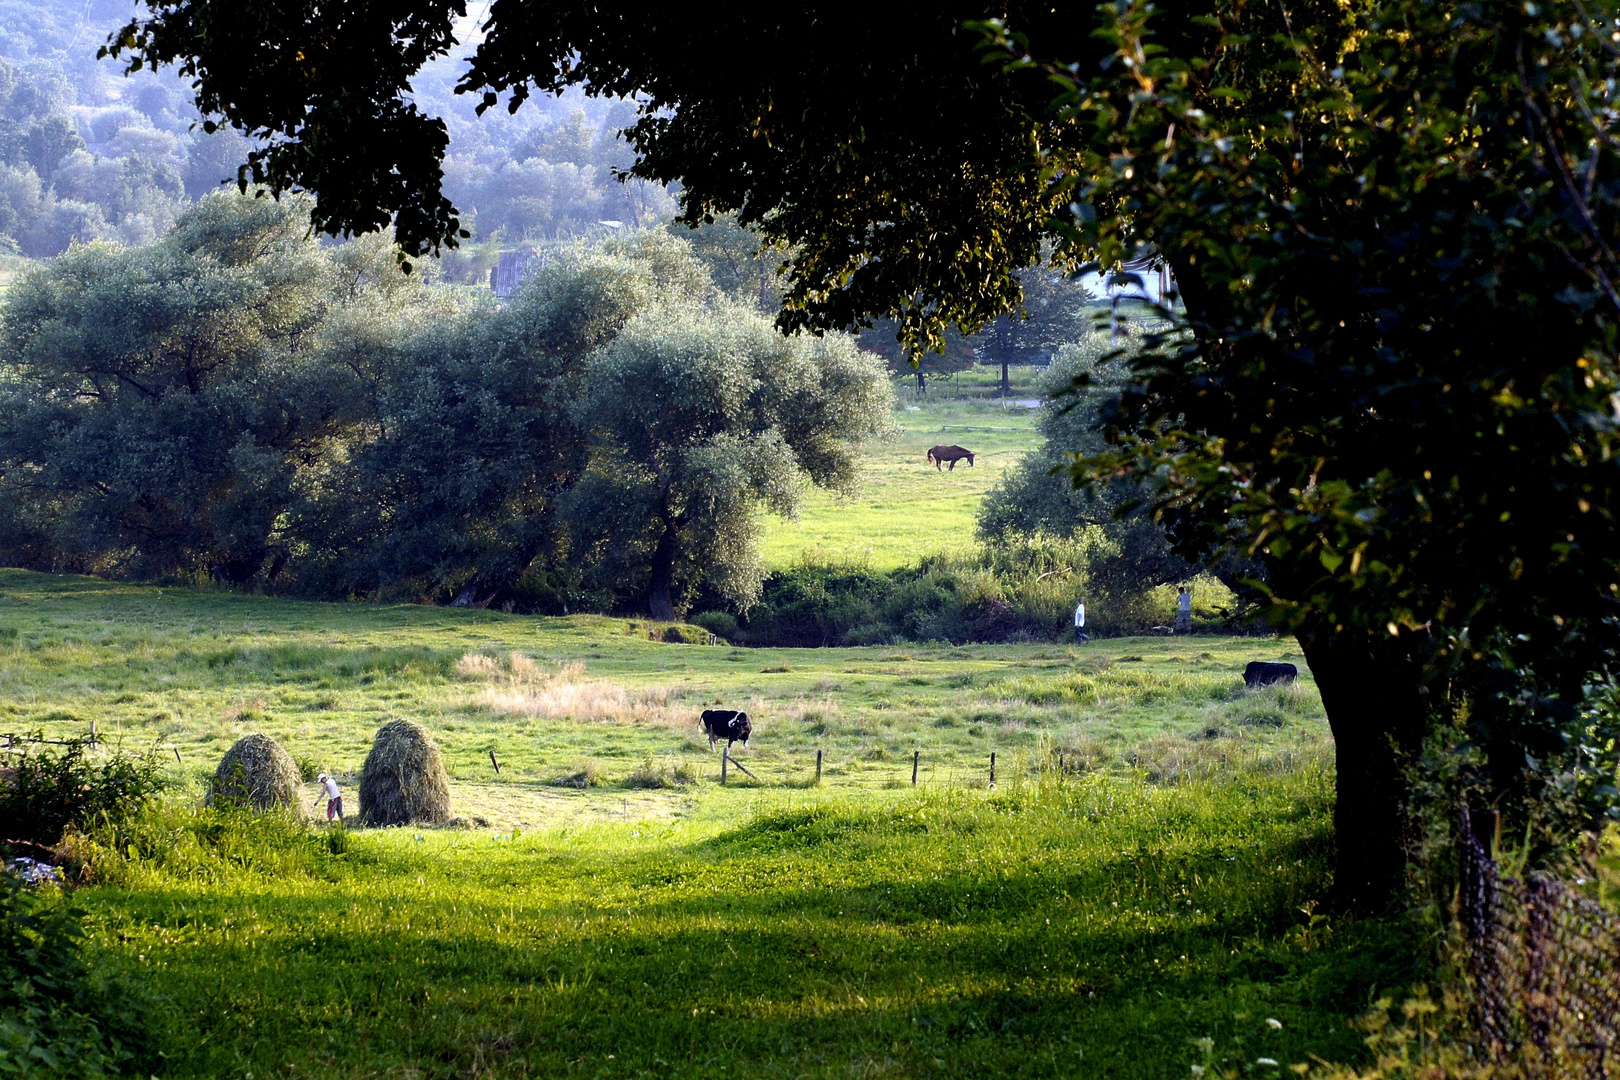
[{"x": 699, "y": 419}]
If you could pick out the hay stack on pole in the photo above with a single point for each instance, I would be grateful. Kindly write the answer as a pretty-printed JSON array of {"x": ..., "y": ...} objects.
[
  {"x": 256, "y": 772},
  {"x": 403, "y": 781}
]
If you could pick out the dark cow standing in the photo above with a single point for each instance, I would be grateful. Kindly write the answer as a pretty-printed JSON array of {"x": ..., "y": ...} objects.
[
  {"x": 1263, "y": 673},
  {"x": 952, "y": 454},
  {"x": 729, "y": 724}
]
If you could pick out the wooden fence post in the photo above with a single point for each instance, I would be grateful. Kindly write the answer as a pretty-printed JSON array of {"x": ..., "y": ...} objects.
[
  {"x": 992, "y": 768},
  {"x": 915, "y": 755},
  {"x": 818, "y": 766},
  {"x": 725, "y": 756},
  {"x": 176, "y": 750},
  {"x": 495, "y": 763}
]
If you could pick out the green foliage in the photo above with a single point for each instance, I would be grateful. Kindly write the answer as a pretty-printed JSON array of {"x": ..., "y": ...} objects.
[
  {"x": 738, "y": 262},
  {"x": 57, "y": 1018},
  {"x": 237, "y": 402},
  {"x": 1023, "y": 589},
  {"x": 1039, "y": 497},
  {"x": 1055, "y": 312},
  {"x": 883, "y": 210},
  {"x": 161, "y": 403},
  {"x": 723, "y": 623},
  {"x": 49, "y": 791}
]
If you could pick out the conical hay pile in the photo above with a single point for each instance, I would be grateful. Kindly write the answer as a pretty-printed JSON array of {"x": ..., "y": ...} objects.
[
  {"x": 256, "y": 772},
  {"x": 404, "y": 781}
]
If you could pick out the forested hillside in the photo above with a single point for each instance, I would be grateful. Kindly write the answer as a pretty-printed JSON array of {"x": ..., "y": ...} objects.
[{"x": 87, "y": 153}]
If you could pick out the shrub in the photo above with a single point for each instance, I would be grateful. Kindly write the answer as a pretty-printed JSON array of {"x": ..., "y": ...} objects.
[
  {"x": 869, "y": 634},
  {"x": 48, "y": 792},
  {"x": 215, "y": 843},
  {"x": 721, "y": 623},
  {"x": 587, "y": 775},
  {"x": 403, "y": 781},
  {"x": 654, "y": 776},
  {"x": 256, "y": 772},
  {"x": 56, "y": 1017}
]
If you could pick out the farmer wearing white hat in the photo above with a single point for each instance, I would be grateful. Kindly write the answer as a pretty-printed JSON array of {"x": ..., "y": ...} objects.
[{"x": 334, "y": 797}]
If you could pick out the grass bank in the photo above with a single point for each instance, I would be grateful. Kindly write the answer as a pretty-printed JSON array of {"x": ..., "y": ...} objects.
[{"x": 1090, "y": 926}]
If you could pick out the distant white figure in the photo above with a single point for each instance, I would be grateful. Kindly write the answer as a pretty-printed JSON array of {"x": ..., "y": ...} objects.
[
  {"x": 1184, "y": 611},
  {"x": 334, "y": 797},
  {"x": 1080, "y": 637}
]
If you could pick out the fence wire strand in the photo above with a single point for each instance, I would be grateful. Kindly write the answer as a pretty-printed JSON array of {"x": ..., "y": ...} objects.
[{"x": 1544, "y": 963}]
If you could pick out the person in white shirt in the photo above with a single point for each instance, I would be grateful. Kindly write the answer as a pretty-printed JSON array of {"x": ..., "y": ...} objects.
[
  {"x": 1184, "y": 611},
  {"x": 334, "y": 797},
  {"x": 1080, "y": 637}
]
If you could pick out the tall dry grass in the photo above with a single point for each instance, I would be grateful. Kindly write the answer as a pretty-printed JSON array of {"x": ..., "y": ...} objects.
[{"x": 517, "y": 685}]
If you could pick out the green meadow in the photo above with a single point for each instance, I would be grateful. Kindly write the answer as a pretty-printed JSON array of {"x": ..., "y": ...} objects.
[
  {"x": 906, "y": 508},
  {"x": 572, "y": 707},
  {"x": 1146, "y": 872}
]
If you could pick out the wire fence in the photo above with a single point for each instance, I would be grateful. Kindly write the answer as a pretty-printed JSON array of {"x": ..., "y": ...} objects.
[{"x": 1544, "y": 963}]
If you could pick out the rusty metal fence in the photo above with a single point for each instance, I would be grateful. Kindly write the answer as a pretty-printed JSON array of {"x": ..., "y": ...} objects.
[{"x": 1544, "y": 967}]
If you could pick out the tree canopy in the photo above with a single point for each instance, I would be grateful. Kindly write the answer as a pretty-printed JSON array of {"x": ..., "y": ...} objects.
[
  {"x": 880, "y": 151},
  {"x": 1391, "y": 225}
]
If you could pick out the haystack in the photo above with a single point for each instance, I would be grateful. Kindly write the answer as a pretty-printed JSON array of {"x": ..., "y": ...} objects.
[
  {"x": 404, "y": 781},
  {"x": 256, "y": 772}
]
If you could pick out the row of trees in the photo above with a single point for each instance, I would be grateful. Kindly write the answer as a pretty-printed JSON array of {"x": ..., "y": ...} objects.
[{"x": 239, "y": 401}]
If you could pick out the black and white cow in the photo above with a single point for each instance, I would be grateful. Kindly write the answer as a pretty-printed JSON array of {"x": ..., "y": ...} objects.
[
  {"x": 1264, "y": 673},
  {"x": 729, "y": 724}
]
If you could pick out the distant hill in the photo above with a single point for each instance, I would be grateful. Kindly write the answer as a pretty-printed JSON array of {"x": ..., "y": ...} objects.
[{"x": 87, "y": 153}]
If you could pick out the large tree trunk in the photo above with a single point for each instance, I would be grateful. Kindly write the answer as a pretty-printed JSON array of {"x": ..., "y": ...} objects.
[
  {"x": 1378, "y": 710},
  {"x": 661, "y": 603},
  {"x": 1372, "y": 686},
  {"x": 1006, "y": 383}
]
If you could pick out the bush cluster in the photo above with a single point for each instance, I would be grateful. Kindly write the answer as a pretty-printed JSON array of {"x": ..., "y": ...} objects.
[
  {"x": 47, "y": 792},
  {"x": 1021, "y": 591}
]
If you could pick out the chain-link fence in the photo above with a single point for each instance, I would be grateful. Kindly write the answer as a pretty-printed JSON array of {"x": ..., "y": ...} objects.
[{"x": 1544, "y": 962}]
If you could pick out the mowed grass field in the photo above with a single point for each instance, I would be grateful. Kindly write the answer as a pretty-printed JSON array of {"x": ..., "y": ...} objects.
[
  {"x": 1165, "y": 885},
  {"x": 906, "y": 508},
  {"x": 573, "y": 707}
]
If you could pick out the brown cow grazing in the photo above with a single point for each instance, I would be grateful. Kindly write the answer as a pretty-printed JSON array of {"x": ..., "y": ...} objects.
[{"x": 952, "y": 454}]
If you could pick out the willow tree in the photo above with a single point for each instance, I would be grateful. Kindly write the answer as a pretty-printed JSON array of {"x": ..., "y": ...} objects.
[{"x": 700, "y": 419}]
